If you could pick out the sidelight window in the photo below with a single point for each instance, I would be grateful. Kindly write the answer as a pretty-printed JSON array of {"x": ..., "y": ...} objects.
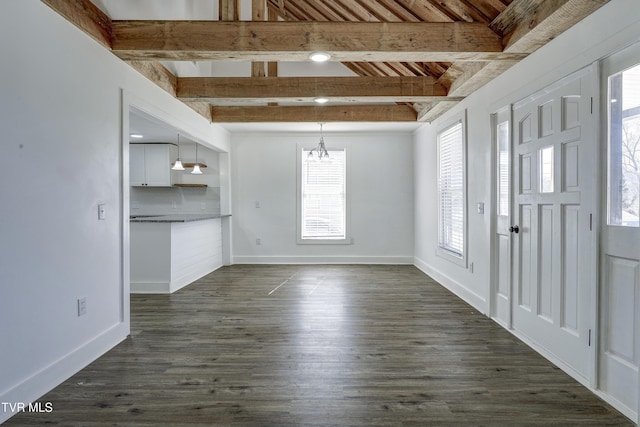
[{"x": 624, "y": 148}]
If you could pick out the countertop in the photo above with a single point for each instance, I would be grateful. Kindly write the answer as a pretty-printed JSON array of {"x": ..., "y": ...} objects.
[{"x": 175, "y": 217}]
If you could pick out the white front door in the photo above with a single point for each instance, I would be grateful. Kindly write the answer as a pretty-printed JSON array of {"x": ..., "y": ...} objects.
[
  {"x": 554, "y": 193},
  {"x": 501, "y": 292},
  {"x": 619, "y": 355}
]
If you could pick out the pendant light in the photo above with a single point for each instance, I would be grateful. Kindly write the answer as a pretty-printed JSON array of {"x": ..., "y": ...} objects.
[
  {"x": 177, "y": 166},
  {"x": 320, "y": 151},
  {"x": 196, "y": 167}
]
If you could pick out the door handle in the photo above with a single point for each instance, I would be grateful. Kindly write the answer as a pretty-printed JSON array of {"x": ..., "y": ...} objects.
[{"x": 514, "y": 229}]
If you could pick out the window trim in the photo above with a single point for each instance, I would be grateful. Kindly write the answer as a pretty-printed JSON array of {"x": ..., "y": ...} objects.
[
  {"x": 443, "y": 252},
  {"x": 347, "y": 239}
]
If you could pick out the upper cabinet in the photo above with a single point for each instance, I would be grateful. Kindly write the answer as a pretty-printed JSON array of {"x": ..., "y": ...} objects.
[{"x": 150, "y": 165}]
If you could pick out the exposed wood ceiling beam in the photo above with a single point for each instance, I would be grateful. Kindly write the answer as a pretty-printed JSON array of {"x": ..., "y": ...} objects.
[
  {"x": 157, "y": 73},
  {"x": 258, "y": 12},
  {"x": 473, "y": 52},
  {"x": 464, "y": 78},
  {"x": 507, "y": 20},
  {"x": 431, "y": 111},
  {"x": 90, "y": 19},
  {"x": 287, "y": 89},
  {"x": 546, "y": 21},
  {"x": 293, "y": 41},
  {"x": 531, "y": 24},
  {"x": 86, "y": 16},
  {"x": 327, "y": 113},
  {"x": 228, "y": 10}
]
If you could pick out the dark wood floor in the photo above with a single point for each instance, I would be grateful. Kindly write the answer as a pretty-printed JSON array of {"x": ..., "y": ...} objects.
[{"x": 318, "y": 346}]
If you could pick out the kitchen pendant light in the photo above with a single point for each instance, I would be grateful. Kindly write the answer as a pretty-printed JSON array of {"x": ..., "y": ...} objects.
[
  {"x": 177, "y": 166},
  {"x": 196, "y": 167}
]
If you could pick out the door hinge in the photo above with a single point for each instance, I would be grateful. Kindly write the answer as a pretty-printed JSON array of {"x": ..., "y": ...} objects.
[
  {"x": 592, "y": 105},
  {"x": 590, "y": 222},
  {"x": 589, "y": 337}
]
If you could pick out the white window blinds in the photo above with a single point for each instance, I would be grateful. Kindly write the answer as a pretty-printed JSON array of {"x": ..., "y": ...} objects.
[
  {"x": 323, "y": 209},
  {"x": 451, "y": 190}
]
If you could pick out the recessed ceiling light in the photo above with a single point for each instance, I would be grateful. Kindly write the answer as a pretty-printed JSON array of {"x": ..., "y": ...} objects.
[
  {"x": 319, "y": 56},
  {"x": 136, "y": 135},
  {"x": 320, "y": 100}
]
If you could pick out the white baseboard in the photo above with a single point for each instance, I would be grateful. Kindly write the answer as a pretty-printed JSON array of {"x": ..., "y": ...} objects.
[
  {"x": 624, "y": 409},
  {"x": 48, "y": 378},
  {"x": 552, "y": 358},
  {"x": 457, "y": 288},
  {"x": 394, "y": 260},
  {"x": 150, "y": 287},
  {"x": 170, "y": 287},
  {"x": 185, "y": 280}
]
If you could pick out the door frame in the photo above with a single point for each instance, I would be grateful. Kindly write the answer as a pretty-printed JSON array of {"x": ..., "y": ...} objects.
[
  {"x": 596, "y": 224},
  {"x": 619, "y": 59}
]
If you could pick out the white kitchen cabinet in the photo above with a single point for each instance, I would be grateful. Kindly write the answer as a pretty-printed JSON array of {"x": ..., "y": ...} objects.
[{"x": 150, "y": 165}]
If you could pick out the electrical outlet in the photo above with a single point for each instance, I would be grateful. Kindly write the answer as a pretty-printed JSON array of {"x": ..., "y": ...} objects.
[
  {"x": 257, "y": 204},
  {"x": 258, "y": 241},
  {"x": 82, "y": 306}
]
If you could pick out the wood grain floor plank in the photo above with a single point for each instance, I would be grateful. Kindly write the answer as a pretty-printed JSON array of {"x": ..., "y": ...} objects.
[{"x": 318, "y": 345}]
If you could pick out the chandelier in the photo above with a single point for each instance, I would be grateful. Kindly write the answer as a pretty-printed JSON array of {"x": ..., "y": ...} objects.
[{"x": 320, "y": 152}]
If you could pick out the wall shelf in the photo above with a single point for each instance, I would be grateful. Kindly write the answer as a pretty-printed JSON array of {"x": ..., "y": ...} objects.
[
  {"x": 192, "y": 164},
  {"x": 190, "y": 185}
]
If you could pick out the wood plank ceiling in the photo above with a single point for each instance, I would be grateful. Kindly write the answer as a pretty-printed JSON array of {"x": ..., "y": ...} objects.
[{"x": 414, "y": 59}]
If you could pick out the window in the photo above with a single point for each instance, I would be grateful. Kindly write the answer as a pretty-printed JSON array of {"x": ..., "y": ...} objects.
[
  {"x": 502, "y": 132},
  {"x": 322, "y": 198},
  {"x": 451, "y": 191},
  {"x": 624, "y": 148}
]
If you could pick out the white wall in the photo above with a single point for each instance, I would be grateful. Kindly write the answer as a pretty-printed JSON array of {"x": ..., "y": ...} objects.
[
  {"x": 264, "y": 171},
  {"x": 61, "y": 117}
]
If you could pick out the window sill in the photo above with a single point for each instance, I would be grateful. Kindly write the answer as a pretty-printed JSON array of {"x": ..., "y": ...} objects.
[{"x": 346, "y": 241}]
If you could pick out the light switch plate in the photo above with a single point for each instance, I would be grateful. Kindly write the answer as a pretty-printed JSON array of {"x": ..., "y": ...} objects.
[
  {"x": 480, "y": 208},
  {"x": 82, "y": 306},
  {"x": 102, "y": 211}
]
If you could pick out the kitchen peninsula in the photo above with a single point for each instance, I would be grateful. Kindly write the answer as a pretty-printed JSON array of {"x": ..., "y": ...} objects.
[{"x": 170, "y": 251}]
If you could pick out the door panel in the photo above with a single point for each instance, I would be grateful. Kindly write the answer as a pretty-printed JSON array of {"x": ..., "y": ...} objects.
[
  {"x": 554, "y": 247},
  {"x": 524, "y": 261},
  {"x": 570, "y": 156},
  {"x": 546, "y": 257},
  {"x": 571, "y": 268}
]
